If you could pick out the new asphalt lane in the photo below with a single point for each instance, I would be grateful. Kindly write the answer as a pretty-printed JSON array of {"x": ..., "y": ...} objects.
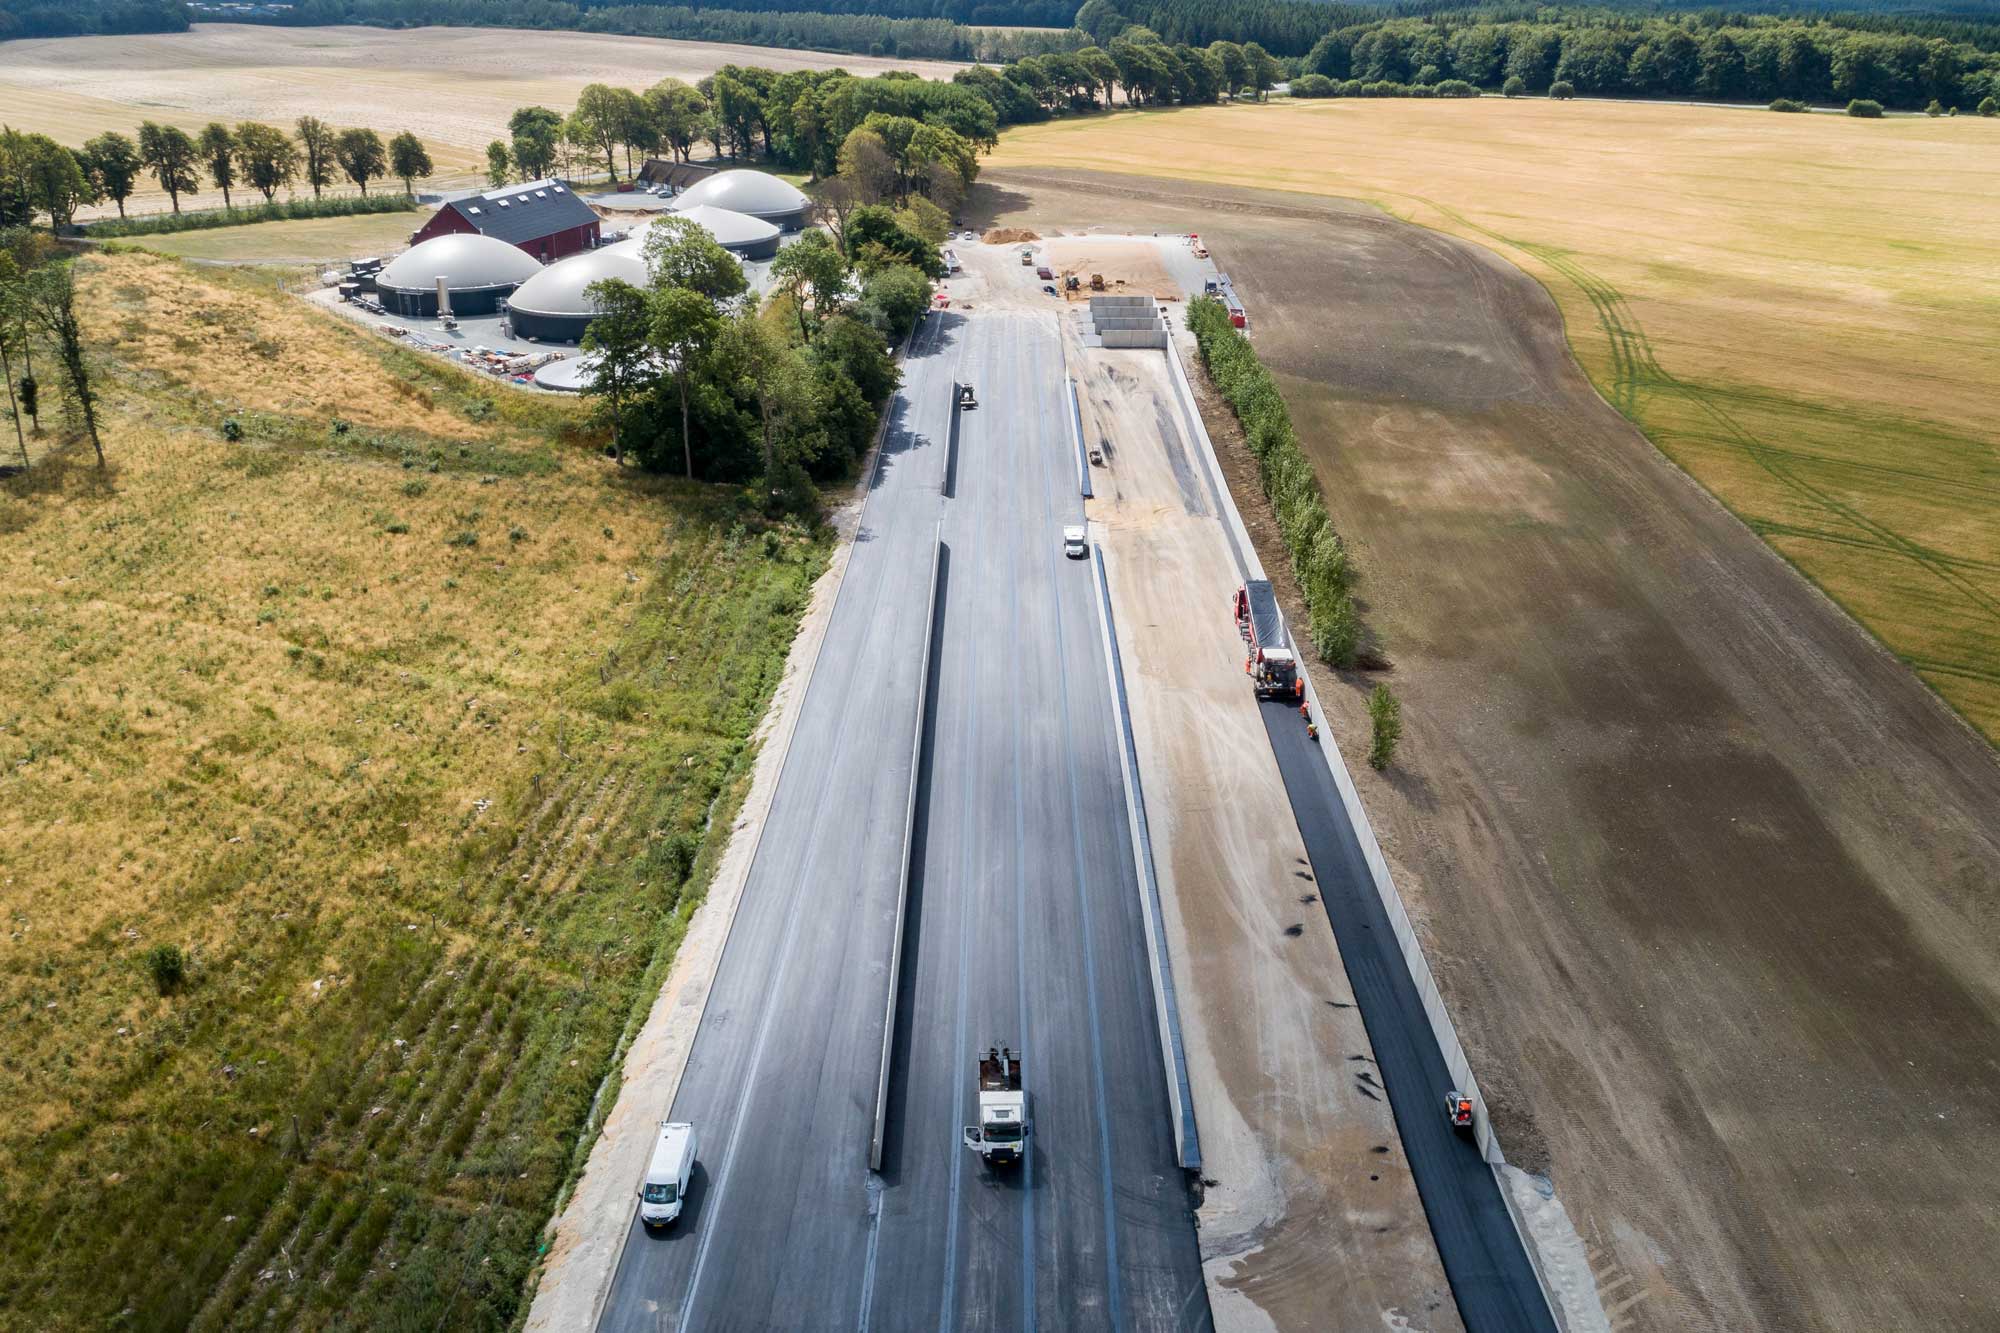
[{"x": 1022, "y": 929}]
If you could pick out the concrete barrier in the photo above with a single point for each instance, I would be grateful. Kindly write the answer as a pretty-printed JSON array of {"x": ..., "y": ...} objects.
[
  {"x": 903, "y": 883},
  {"x": 1439, "y": 1018},
  {"x": 1154, "y": 338},
  {"x": 1173, "y": 1052}
]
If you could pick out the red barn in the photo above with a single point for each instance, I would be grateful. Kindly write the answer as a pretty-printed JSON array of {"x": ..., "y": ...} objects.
[{"x": 542, "y": 217}]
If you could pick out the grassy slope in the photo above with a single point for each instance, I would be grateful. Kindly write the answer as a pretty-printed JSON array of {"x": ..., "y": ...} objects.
[
  {"x": 409, "y": 735},
  {"x": 1799, "y": 310}
]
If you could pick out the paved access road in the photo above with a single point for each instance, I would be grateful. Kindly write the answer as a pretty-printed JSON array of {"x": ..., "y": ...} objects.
[
  {"x": 1491, "y": 1279},
  {"x": 1023, "y": 929}
]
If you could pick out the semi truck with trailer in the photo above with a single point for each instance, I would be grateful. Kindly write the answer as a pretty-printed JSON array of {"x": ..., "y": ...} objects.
[{"x": 1272, "y": 664}]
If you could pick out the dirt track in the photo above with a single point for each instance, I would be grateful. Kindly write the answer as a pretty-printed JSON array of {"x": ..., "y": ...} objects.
[{"x": 1708, "y": 877}]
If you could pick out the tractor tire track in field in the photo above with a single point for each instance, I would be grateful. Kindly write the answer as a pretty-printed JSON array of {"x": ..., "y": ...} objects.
[{"x": 1635, "y": 371}]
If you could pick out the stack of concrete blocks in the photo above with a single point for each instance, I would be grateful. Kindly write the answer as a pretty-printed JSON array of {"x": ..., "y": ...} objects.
[{"x": 1124, "y": 321}]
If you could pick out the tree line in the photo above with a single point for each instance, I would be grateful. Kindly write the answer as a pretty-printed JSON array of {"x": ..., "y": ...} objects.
[
  {"x": 42, "y": 179},
  {"x": 912, "y": 29},
  {"x": 1596, "y": 51},
  {"x": 83, "y": 18}
]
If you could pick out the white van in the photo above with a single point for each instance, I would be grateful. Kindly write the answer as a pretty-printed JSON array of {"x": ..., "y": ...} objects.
[{"x": 660, "y": 1198}]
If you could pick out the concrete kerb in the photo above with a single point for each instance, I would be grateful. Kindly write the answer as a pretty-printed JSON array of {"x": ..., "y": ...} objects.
[
  {"x": 1076, "y": 427},
  {"x": 1173, "y": 1052},
  {"x": 1442, "y": 1029},
  {"x": 549, "y": 1310},
  {"x": 903, "y": 883}
]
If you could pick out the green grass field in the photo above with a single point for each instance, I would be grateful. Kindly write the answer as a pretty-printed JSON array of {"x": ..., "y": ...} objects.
[
  {"x": 416, "y": 726},
  {"x": 1799, "y": 310},
  {"x": 308, "y": 240}
]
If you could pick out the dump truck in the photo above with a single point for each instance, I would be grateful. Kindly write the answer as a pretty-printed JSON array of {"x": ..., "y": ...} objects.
[
  {"x": 1097, "y": 282},
  {"x": 1001, "y": 1136},
  {"x": 1272, "y": 665}
]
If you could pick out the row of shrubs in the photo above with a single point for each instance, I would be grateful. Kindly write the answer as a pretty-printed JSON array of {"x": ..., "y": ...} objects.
[
  {"x": 1319, "y": 558},
  {"x": 1318, "y": 85},
  {"x": 333, "y": 206}
]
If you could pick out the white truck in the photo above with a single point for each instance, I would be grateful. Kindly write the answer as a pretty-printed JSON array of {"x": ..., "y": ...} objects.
[
  {"x": 1001, "y": 1136},
  {"x": 666, "y": 1184}
]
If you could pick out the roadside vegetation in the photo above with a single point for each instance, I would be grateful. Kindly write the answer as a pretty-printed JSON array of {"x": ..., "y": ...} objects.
[
  {"x": 1319, "y": 558},
  {"x": 364, "y": 746}
]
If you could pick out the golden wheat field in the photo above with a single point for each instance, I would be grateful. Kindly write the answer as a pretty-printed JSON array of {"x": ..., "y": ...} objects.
[
  {"x": 384, "y": 699},
  {"x": 1801, "y": 311}
]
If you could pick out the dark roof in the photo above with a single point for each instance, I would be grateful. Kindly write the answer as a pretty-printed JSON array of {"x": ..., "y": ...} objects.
[
  {"x": 520, "y": 213},
  {"x": 666, "y": 171}
]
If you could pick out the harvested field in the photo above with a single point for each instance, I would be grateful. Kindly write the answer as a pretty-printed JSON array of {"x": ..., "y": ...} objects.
[
  {"x": 1707, "y": 876},
  {"x": 404, "y": 721},
  {"x": 454, "y": 87},
  {"x": 1799, "y": 310}
]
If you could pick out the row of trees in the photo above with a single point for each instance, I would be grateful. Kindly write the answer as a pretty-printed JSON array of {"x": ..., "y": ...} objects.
[
  {"x": 799, "y": 119},
  {"x": 40, "y": 178}
]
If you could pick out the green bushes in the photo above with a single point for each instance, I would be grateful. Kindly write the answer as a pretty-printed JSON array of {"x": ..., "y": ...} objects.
[
  {"x": 1787, "y": 104},
  {"x": 1562, "y": 90},
  {"x": 1456, "y": 88},
  {"x": 1385, "y": 717},
  {"x": 1865, "y": 109},
  {"x": 1319, "y": 558},
  {"x": 159, "y": 224},
  {"x": 1989, "y": 106},
  {"x": 1516, "y": 86},
  {"x": 1312, "y": 85},
  {"x": 168, "y": 966}
]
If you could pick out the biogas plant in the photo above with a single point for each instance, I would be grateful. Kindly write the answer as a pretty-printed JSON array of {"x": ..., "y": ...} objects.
[{"x": 500, "y": 280}]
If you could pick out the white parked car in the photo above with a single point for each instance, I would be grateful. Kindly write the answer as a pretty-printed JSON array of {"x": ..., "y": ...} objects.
[
  {"x": 666, "y": 1184},
  {"x": 1075, "y": 542}
]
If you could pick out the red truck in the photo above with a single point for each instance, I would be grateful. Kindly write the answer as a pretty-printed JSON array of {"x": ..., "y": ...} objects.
[{"x": 1272, "y": 665}]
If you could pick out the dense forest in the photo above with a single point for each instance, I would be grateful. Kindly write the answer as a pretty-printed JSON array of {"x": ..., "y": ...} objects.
[
  {"x": 1941, "y": 56},
  {"x": 76, "y": 18}
]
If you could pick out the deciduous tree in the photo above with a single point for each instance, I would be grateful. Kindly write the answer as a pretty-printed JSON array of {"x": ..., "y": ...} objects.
[
  {"x": 536, "y": 134},
  {"x": 361, "y": 156},
  {"x": 268, "y": 159},
  {"x": 499, "y": 163},
  {"x": 112, "y": 162},
  {"x": 218, "y": 155},
  {"x": 172, "y": 157},
  {"x": 316, "y": 152},
  {"x": 408, "y": 159}
]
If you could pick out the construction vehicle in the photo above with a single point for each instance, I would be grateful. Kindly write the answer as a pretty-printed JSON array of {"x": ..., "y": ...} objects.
[
  {"x": 1070, "y": 282},
  {"x": 1001, "y": 1136},
  {"x": 1027, "y": 258},
  {"x": 1458, "y": 1109},
  {"x": 966, "y": 401},
  {"x": 1097, "y": 282},
  {"x": 1272, "y": 665}
]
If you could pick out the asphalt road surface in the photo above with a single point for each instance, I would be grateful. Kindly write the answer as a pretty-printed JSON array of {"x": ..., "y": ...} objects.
[
  {"x": 1491, "y": 1278},
  {"x": 1023, "y": 930}
]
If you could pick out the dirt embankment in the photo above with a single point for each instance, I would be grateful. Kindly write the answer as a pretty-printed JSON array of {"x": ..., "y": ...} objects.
[{"x": 1708, "y": 877}]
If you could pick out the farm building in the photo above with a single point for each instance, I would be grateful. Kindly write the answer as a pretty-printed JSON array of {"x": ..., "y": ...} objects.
[
  {"x": 476, "y": 271},
  {"x": 744, "y": 236},
  {"x": 551, "y": 306},
  {"x": 542, "y": 217},
  {"x": 750, "y": 192}
]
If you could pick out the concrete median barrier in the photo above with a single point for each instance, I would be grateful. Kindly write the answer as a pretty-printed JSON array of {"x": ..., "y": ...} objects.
[
  {"x": 881, "y": 1123},
  {"x": 1173, "y": 1052}
]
